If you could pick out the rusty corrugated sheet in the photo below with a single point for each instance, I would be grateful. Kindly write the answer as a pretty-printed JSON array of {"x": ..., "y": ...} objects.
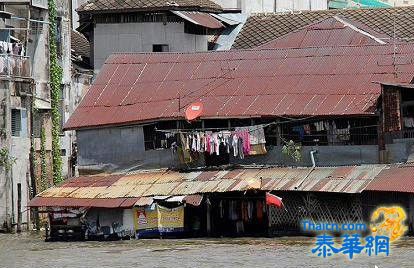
[
  {"x": 317, "y": 81},
  {"x": 352, "y": 179},
  {"x": 333, "y": 31},
  {"x": 200, "y": 18},
  {"x": 394, "y": 179},
  {"x": 82, "y": 202}
]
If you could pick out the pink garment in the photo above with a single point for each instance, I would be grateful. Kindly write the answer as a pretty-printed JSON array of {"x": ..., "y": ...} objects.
[
  {"x": 207, "y": 145},
  {"x": 245, "y": 135}
]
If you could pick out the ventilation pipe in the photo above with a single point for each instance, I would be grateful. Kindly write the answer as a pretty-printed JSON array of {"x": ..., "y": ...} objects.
[{"x": 312, "y": 156}]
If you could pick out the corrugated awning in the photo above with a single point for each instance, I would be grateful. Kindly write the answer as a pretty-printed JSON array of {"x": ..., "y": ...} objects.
[
  {"x": 82, "y": 202},
  {"x": 142, "y": 188},
  {"x": 199, "y": 18}
]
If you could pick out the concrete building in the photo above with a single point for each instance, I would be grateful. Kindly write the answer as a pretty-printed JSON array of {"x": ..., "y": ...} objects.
[
  {"x": 26, "y": 101},
  {"x": 299, "y": 116},
  {"x": 147, "y": 27}
]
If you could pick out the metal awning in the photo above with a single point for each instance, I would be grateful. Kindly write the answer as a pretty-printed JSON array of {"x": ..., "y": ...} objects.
[
  {"x": 199, "y": 18},
  {"x": 82, "y": 202}
]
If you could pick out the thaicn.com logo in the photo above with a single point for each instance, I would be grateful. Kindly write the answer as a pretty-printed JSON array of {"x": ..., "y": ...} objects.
[{"x": 387, "y": 224}]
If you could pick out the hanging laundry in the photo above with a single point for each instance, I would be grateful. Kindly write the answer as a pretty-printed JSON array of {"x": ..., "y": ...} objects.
[
  {"x": 300, "y": 131},
  {"x": 320, "y": 126},
  {"x": 235, "y": 145},
  {"x": 240, "y": 148},
  {"x": 307, "y": 129},
  {"x": 259, "y": 210}
]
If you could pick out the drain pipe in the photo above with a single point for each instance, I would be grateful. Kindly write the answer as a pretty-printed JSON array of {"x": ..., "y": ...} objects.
[{"x": 312, "y": 156}]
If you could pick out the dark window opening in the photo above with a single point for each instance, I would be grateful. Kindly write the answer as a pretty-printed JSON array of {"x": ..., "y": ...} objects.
[
  {"x": 160, "y": 48},
  {"x": 16, "y": 122},
  {"x": 37, "y": 124},
  {"x": 156, "y": 139},
  {"x": 62, "y": 109}
]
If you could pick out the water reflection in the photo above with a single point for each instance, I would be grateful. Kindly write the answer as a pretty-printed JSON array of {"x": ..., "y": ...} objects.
[{"x": 29, "y": 250}]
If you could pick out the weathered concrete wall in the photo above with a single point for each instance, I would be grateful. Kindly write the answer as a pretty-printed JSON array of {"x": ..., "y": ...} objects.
[
  {"x": 118, "y": 148},
  {"x": 5, "y": 193},
  {"x": 20, "y": 149},
  {"x": 325, "y": 156},
  {"x": 139, "y": 37}
]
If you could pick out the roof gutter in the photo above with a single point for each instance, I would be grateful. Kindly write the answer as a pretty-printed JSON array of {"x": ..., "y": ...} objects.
[{"x": 312, "y": 156}]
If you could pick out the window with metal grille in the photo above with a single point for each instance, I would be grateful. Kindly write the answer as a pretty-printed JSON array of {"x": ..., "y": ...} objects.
[
  {"x": 37, "y": 124},
  {"x": 16, "y": 122},
  {"x": 62, "y": 108}
]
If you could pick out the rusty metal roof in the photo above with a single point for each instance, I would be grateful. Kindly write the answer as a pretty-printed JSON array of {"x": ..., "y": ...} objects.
[
  {"x": 262, "y": 28},
  {"x": 200, "y": 18},
  {"x": 132, "y": 189},
  {"x": 318, "y": 81},
  {"x": 394, "y": 179},
  {"x": 334, "y": 31},
  {"x": 107, "y": 6}
]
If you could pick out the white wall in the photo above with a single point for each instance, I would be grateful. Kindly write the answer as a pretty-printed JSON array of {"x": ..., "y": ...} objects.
[
  {"x": 139, "y": 37},
  {"x": 75, "y": 16},
  {"x": 285, "y": 5},
  {"x": 267, "y": 6}
]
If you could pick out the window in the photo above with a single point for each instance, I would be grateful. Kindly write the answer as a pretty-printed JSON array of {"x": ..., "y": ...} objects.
[
  {"x": 160, "y": 48},
  {"x": 19, "y": 123},
  {"x": 59, "y": 30},
  {"x": 16, "y": 122},
  {"x": 154, "y": 139},
  {"x": 37, "y": 124},
  {"x": 62, "y": 108}
]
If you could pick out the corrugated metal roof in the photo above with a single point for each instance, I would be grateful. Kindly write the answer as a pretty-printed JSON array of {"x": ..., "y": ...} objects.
[
  {"x": 82, "y": 202},
  {"x": 262, "y": 28},
  {"x": 200, "y": 18},
  {"x": 394, "y": 179},
  {"x": 138, "y": 87},
  {"x": 94, "y": 6},
  {"x": 334, "y": 31},
  {"x": 353, "y": 179}
]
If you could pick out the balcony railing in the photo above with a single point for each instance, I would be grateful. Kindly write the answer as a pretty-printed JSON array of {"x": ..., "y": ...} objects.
[
  {"x": 14, "y": 66},
  {"x": 389, "y": 137},
  {"x": 366, "y": 135}
]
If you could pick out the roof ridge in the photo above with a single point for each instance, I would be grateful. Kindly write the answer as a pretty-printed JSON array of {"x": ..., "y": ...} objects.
[{"x": 329, "y": 11}]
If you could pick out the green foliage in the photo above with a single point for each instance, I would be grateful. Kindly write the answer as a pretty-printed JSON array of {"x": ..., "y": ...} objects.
[
  {"x": 6, "y": 160},
  {"x": 292, "y": 150},
  {"x": 44, "y": 182},
  {"x": 56, "y": 74}
]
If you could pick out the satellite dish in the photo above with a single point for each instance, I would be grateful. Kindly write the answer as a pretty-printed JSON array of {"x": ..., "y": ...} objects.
[{"x": 194, "y": 111}]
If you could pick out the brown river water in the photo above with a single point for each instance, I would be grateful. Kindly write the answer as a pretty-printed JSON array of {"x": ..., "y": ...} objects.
[{"x": 28, "y": 250}]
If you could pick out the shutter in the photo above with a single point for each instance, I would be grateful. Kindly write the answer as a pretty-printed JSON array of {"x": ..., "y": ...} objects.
[
  {"x": 16, "y": 122},
  {"x": 391, "y": 109}
]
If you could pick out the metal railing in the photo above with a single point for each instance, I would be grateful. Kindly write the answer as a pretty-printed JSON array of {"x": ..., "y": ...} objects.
[
  {"x": 389, "y": 137},
  {"x": 14, "y": 66},
  {"x": 366, "y": 135}
]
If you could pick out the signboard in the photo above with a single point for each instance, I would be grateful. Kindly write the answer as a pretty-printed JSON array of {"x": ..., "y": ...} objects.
[{"x": 159, "y": 220}]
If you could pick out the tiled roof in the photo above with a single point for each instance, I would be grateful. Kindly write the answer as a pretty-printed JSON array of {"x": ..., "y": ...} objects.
[
  {"x": 93, "y": 6},
  {"x": 80, "y": 45},
  {"x": 260, "y": 29},
  {"x": 318, "y": 81}
]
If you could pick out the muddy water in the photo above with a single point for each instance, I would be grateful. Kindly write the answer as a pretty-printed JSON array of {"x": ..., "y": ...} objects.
[{"x": 30, "y": 251}]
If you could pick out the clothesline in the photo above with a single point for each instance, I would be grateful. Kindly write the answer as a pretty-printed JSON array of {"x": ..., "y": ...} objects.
[
  {"x": 181, "y": 130},
  {"x": 251, "y": 128}
]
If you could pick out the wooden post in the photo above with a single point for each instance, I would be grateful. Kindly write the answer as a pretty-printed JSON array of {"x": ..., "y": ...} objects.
[
  {"x": 208, "y": 223},
  {"x": 19, "y": 208}
]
